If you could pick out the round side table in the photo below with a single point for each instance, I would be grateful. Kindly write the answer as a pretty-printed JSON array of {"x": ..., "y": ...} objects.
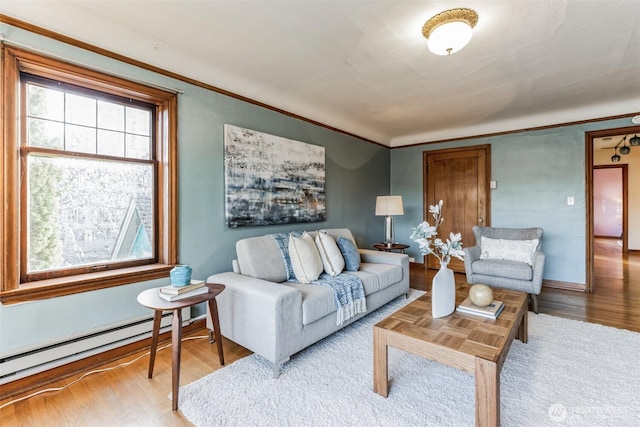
[
  {"x": 152, "y": 300},
  {"x": 390, "y": 248}
]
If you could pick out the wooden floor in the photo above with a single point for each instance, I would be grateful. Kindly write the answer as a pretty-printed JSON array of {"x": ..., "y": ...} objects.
[{"x": 125, "y": 396}]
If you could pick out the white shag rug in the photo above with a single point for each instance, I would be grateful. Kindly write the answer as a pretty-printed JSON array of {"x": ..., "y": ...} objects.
[{"x": 570, "y": 373}]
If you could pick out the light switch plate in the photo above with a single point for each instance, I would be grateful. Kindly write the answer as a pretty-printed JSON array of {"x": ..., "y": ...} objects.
[
  {"x": 493, "y": 184},
  {"x": 570, "y": 201}
]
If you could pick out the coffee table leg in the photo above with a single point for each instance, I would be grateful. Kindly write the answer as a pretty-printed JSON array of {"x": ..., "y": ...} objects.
[
  {"x": 487, "y": 393},
  {"x": 176, "y": 339},
  {"x": 213, "y": 309},
  {"x": 157, "y": 317},
  {"x": 523, "y": 328},
  {"x": 380, "y": 362}
]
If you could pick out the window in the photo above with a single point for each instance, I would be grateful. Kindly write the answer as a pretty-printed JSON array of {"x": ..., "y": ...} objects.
[{"x": 89, "y": 179}]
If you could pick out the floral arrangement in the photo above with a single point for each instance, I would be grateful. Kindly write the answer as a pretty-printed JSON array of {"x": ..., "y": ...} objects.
[{"x": 425, "y": 236}]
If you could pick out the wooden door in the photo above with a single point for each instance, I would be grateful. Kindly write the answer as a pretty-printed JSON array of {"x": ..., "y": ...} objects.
[{"x": 459, "y": 177}]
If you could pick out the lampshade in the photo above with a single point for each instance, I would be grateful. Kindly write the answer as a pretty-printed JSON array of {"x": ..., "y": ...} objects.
[
  {"x": 635, "y": 141},
  {"x": 450, "y": 31},
  {"x": 389, "y": 205}
]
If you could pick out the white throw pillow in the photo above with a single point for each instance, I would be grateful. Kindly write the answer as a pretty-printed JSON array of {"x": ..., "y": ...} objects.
[
  {"x": 510, "y": 250},
  {"x": 330, "y": 254},
  {"x": 305, "y": 259}
]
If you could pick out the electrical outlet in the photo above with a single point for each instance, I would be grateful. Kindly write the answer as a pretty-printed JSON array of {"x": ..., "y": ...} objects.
[
  {"x": 571, "y": 201},
  {"x": 411, "y": 259}
]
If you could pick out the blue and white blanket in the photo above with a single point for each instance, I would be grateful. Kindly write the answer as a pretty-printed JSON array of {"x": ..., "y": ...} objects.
[{"x": 348, "y": 290}]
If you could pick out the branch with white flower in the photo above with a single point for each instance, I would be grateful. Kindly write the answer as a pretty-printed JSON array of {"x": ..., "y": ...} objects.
[{"x": 425, "y": 235}]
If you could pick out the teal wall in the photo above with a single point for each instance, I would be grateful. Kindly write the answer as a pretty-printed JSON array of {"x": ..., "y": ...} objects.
[
  {"x": 535, "y": 172},
  {"x": 356, "y": 172}
]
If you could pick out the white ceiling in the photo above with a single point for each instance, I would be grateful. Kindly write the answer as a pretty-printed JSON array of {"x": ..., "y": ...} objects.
[{"x": 363, "y": 66}]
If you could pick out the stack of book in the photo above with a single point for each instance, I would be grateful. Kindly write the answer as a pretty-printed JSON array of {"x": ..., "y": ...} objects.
[
  {"x": 491, "y": 311},
  {"x": 173, "y": 293}
]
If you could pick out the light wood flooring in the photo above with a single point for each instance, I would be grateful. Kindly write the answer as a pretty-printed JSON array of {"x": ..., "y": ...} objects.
[{"x": 125, "y": 396}]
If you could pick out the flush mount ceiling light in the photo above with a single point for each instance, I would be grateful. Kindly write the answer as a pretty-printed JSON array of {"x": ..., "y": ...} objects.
[{"x": 449, "y": 31}]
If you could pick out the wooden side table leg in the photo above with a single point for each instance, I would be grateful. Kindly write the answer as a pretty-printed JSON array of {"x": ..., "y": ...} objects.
[
  {"x": 176, "y": 340},
  {"x": 213, "y": 310},
  {"x": 487, "y": 393},
  {"x": 157, "y": 317},
  {"x": 380, "y": 362}
]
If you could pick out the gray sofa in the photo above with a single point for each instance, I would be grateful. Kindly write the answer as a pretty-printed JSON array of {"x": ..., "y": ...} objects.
[{"x": 275, "y": 318}]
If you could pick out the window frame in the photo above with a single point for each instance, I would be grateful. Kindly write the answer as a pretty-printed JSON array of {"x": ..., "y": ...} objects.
[{"x": 13, "y": 289}]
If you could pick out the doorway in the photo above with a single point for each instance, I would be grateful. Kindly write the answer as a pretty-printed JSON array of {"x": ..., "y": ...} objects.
[
  {"x": 610, "y": 205},
  {"x": 460, "y": 178},
  {"x": 608, "y": 214}
]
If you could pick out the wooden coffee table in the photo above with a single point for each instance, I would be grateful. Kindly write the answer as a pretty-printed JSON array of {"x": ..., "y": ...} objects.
[{"x": 470, "y": 343}]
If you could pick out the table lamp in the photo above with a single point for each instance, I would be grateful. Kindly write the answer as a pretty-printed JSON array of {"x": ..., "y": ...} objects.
[{"x": 389, "y": 206}]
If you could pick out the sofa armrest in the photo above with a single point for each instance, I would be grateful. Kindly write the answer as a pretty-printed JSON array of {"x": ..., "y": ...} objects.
[
  {"x": 263, "y": 316},
  {"x": 381, "y": 257}
]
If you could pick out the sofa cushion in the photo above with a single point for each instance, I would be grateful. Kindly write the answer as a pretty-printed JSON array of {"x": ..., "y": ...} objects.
[
  {"x": 510, "y": 250},
  {"x": 332, "y": 259},
  {"x": 349, "y": 253},
  {"x": 305, "y": 259},
  {"x": 503, "y": 268},
  {"x": 317, "y": 301},
  {"x": 387, "y": 274},
  {"x": 260, "y": 257}
]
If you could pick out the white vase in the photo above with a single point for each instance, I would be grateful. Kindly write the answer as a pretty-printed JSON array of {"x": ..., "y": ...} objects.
[{"x": 443, "y": 292}]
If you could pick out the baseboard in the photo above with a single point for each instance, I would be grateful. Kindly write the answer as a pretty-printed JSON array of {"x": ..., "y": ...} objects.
[
  {"x": 44, "y": 378},
  {"x": 569, "y": 286}
]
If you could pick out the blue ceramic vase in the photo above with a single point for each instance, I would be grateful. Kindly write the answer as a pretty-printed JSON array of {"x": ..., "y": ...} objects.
[{"x": 180, "y": 275}]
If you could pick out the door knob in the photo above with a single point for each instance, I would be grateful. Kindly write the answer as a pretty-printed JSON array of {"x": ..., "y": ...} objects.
[{"x": 480, "y": 220}]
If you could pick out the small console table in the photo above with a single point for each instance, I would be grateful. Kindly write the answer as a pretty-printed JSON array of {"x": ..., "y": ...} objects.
[
  {"x": 152, "y": 300},
  {"x": 390, "y": 248}
]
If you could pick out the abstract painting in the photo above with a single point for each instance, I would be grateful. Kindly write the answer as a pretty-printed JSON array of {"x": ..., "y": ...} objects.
[{"x": 272, "y": 180}]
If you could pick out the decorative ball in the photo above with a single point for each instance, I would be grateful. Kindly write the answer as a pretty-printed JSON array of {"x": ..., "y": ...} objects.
[{"x": 481, "y": 295}]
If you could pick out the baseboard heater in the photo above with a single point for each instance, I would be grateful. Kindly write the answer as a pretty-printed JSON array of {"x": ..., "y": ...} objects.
[{"x": 30, "y": 361}]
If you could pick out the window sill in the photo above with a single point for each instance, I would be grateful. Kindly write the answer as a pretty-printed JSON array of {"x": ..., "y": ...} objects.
[{"x": 51, "y": 288}]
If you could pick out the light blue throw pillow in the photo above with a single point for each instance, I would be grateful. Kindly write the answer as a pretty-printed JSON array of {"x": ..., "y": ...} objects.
[{"x": 349, "y": 253}]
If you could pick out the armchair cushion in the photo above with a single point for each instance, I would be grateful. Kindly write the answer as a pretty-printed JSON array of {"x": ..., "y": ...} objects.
[
  {"x": 510, "y": 250},
  {"x": 503, "y": 268}
]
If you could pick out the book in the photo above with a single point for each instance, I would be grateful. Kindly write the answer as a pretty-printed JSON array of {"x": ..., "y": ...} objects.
[
  {"x": 177, "y": 290},
  {"x": 492, "y": 311},
  {"x": 192, "y": 293}
]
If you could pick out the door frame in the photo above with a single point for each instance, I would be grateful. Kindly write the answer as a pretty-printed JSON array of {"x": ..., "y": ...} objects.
[
  {"x": 590, "y": 251},
  {"x": 487, "y": 190}
]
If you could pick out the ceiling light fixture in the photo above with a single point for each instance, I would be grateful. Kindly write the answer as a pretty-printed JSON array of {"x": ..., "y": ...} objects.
[
  {"x": 635, "y": 141},
  {"x": 624, "y": 149},
  {"x": 615, "y": 158},
  {"x": 449, "y": 31}
]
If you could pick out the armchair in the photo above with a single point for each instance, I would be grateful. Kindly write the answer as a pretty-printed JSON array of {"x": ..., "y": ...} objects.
[{"x": 499, "y": 266}]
